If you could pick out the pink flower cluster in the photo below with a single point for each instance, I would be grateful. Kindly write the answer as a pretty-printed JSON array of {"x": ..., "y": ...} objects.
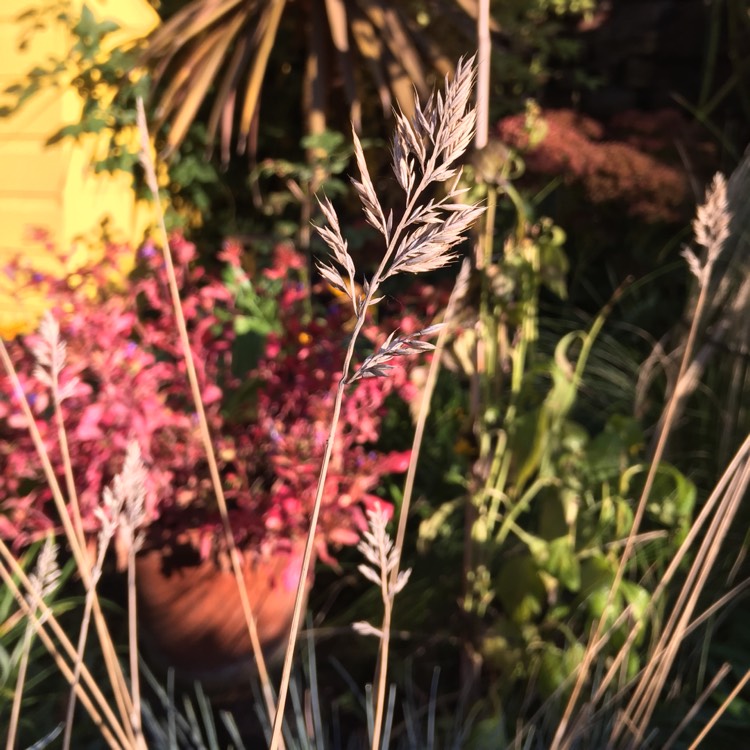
[{"x": 269, "y": 426}]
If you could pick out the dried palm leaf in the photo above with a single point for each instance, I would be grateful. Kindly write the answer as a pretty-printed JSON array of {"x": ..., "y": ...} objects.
[{"x": 220, "y": 49}]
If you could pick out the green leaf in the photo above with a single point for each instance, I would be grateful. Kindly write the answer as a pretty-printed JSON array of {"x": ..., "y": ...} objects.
[
  {"x": 596, "y": 580},
  {"x": 527, "y": 441},
  {"x": 637, "y": 597},
  {"x": 623, "y": 517},
  {"x": 557, "y": 664},
  {"x": 520, "y": 589},
  {"x": 69, "y": 131},
  {"x": 552, "y": 523},
  {"x": 554, "y": 267},
  {"x": 565, "y": 385},
  {"x": 563, "y": 563},
  {"x": 107, "y": 27},
  {"x": 611, "y": 452},
  {"x": 86, "y": 23},
  {"x": 247, "y": 324},
  {"x": 489, "y": 734},
  {"x": 437, "y": 524},
  {"x": 328, "y": 141},
  {"x": 672, "y": 497}
]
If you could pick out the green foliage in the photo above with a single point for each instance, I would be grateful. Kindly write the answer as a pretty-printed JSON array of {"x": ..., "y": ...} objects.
[
  {"x": 328, "y": 157},
  {"x": 16, "y": 636},
  {"x": 107, "y": 83},
  {"x": 257, "y": 316},
  {"x": 551, "y": 498},
  {"x": 518, "y": 481},
  {"x": 560, "y": 7},
  {"x": 293, "y": 183},
  {"x": 536, "y": 44},
  {"x": 108, "y": 80}
]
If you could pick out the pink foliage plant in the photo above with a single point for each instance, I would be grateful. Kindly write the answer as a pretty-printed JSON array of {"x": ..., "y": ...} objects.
[{"x": 269, "y": 425}]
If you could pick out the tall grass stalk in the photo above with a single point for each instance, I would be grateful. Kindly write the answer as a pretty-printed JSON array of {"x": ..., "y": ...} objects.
[
  {"x": 150, "y": 170},
  {"x": 82, "y": 638},
  {"x": 648, "y": 684},
  {"x": 379, "y": 551},
  {"x": 720, "y": 711},
  {"x": 381, "y": 670},
  {"x": 484, "y": 53},
  {"x": 114, "y": 670},
  {"x": 49, "y": 353},
  {"x": 711, "y": 229},
  {"x": 133, "y": 651},
  {"x": 44, "y": 580},
  {"x": 128, "y": 499},
  {"x": 425, "y": 151},
  {"x": 706, "y": 693},
  {"x": 113, "y": 503},
  {"x": 9, "y": 567},
  {"x": 121, "y": 506},
  {"x": 458, "y": 293},
  {"x": 583, "y": 719},
  {"x": 636, "y": 716}
]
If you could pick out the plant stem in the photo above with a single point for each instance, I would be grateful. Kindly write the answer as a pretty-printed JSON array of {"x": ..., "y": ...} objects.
[
  {"x": 720, "y": 710},
  {"x": 424, "y": 411},
  {"x": 28, "y": 608},
  {"x": 81, "y": 647},
  {"x": 484, "y": 51},
  {"x": 382, "y": 667},
  {"x": 560, "y": 742},
  {"x": 306, "y": 559},
  {"x": 135, "y": 684},
  {"x": 200, "y": 411},
  {"x": 114, "y": 670},
  {"x": 15, "y": 711},
  {"x": 419, "y": 428},
  {"x": 310, "y": 542},
  {"x": 67, "y": 464}
]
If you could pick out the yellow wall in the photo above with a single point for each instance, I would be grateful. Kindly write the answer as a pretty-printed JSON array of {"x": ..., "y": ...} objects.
[{"x": 54, "y": 187}]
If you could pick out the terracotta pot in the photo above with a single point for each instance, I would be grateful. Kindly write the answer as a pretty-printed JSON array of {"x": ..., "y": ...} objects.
[{"x": 191, "y": 616}]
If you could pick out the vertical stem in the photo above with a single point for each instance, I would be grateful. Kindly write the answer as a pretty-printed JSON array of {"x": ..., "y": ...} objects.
[
  {"x": 484, "y": 51},
  {"x": 485, "y": 345},
  {"x": 201, "y": 413},
  {"x": 385, "y": 640},
  {"x": 81, "y": 647},
  {"x": 306, "y": 560},
  {"x": 560, "y": 741},
  {"x": 135, "y": 683},
  {"x": 392, "y": 243},
  {"x": 29, "y": 608},
  {"x": 67, "y": 465},
  {"x": 15, "y": 711},
  {"x": 114, "y": 670}
]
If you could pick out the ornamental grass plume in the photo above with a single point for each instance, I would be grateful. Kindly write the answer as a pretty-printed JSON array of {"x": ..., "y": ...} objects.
[
  {"x": 122, "y": 514},
  {"x": 377, "y": 548},
  {"x": 384, "y": 557},
  {"x": 425, "y": 151}
]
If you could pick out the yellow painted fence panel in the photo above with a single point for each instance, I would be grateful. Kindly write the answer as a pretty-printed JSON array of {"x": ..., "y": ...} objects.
[{"x": 54, "y": 188}]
